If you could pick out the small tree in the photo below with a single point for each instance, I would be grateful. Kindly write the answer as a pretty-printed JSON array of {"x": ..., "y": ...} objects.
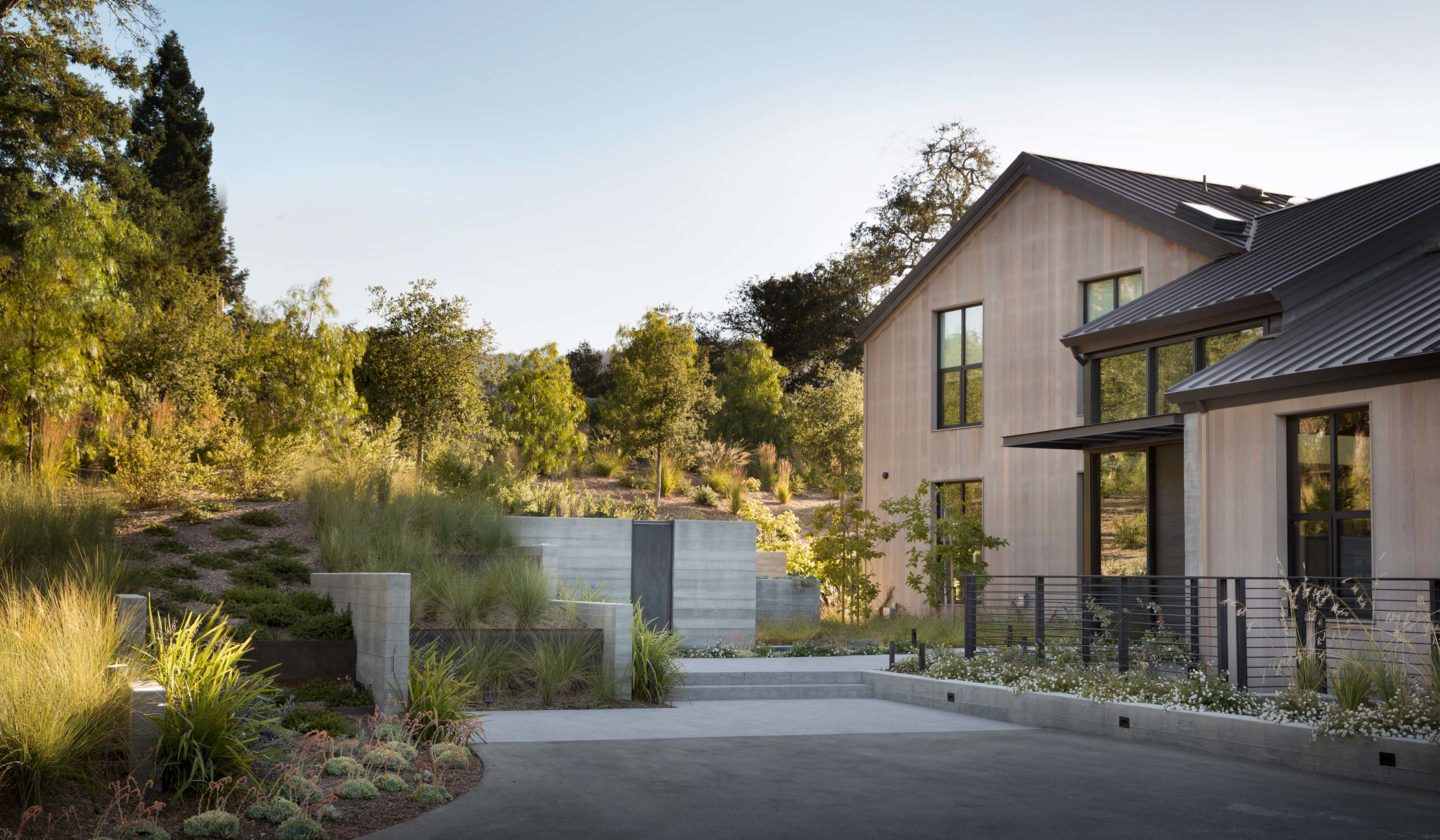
[
  {"x": 424, "y": 365},
  {"x": 830, "y": 427},
  {"x": 541, "y": 409},
  {"x": 941, "y": 547},
  {"x": 662, "y": 391},
  {"x": 843, "y": 544},
  {"x": 753, "y": 408}
]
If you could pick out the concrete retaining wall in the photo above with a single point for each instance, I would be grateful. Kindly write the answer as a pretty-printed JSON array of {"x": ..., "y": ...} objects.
[
  {"x": 714, "y": 582},
  {"x": 787, "y": 599},
  {"x": 613, "y": 620},
  {"x": 379, "y": 604},
  {"x": 590, "y": 552},
  {"x": 1416, "y": 763}
]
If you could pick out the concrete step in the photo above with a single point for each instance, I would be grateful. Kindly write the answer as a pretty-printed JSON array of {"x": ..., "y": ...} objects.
[
  {"x": 782, "y": 691},
  {"x": 774, "y": 677}
]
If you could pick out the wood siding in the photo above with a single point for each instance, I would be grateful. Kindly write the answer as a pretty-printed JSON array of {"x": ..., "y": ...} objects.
[
  {"x": 1242, "y": 453},
  {"x": 1024, "y": 263}
]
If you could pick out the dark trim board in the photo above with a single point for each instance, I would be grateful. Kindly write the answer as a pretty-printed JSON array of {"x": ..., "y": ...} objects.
[{"x": 1159, "y": 428}]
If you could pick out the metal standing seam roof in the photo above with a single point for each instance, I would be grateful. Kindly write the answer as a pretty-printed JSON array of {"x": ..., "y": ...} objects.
[
  {"x": 1140, "y": 197},
  {"x": 1284, "y": 247},
  {"x": 1391, "y": 321}
]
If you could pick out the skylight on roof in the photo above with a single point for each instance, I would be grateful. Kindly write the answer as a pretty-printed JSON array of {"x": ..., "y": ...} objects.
[
  {"x": 1213, "y": 212},
  {"x": 1209, "y": 216}
]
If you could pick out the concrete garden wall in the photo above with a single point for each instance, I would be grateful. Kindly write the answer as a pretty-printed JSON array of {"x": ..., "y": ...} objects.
[
  {"x": 589, "y": 552},
  {"x": 1416, "y": 763},
  {"x": 787, "y": 599},
  {"x": 613, "y": 621},
  {"x": 379, "y": 604}
]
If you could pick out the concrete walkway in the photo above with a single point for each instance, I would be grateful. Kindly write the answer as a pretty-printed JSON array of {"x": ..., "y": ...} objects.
[{"x": 729, "y": 719}]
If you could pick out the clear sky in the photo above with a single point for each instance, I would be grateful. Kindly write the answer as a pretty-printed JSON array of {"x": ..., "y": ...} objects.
[{"x": 566, "y": 166}]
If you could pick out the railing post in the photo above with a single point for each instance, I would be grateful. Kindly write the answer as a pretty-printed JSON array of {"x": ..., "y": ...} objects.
[
  {"x": 970, "y": 618},
  {"x": 1122, "y": 626},
  {"x": 1298, "y": 592},
  {"x": 892, "y": 654},
  {"x": 923, "y": 666},
  {"x": 1222, "y": 626},
  {"x": 1194, "y": 586},
  {"x": 1242, "y": 659},
  {"x": 1087, "y": 620},
  {"x": 1039, "y": 617}
]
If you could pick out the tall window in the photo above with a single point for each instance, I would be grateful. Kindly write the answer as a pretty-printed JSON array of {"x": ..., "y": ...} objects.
[
  {"x": 1329, "y": 479},
  {"x": 1111, "y": 293},
  {"x": 960, "y": 380},
  {"x": 956, "y": 498}
]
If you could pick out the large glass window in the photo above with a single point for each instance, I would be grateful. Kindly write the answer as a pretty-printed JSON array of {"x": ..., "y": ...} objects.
[
  {"x": 1124, "y": 524},
  {"x": 1111, "y": 293},
  {"x": 1133, "y": 384},
  {"x": 956, "y": 498},
  {"x": 1329, "y": 499},
  {"x": 961, "y": 381}
]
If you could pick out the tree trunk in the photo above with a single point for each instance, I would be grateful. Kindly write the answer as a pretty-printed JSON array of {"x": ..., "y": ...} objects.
[
  {"x": 419, "y": 459},
  {"x": 659, "y": 481}
]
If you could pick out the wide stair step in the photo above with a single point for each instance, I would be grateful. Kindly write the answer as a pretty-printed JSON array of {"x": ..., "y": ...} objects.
[{"x": 773, "y": 685}]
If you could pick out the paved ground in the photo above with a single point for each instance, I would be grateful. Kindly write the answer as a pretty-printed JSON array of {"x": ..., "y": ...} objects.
[
  {"x": 960, "y": 777},
  {"x": 788, "y": 663}
]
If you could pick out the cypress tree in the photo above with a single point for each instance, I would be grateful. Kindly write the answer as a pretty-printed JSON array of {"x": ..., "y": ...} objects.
[{"x": 170, "y": 139}]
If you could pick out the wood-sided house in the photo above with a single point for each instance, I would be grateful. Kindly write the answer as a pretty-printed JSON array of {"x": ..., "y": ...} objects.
[{"x": 1127, "y": 373}]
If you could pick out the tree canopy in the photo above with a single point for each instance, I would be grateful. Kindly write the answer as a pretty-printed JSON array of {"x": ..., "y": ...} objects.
[
  {"x": 541, "y": 410},
  {"x": 830, "y": 427},
  {"x": 753, "y": 407}
]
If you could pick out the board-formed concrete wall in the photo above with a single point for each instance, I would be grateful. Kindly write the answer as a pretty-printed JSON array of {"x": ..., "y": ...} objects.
[
  {"x": 613, "y": 620},
  {"x": 714, "y": 582},
  {"x": 588, "y": 552},
  {"x": 770, "y": 563},
  {"x": 787, "y": 599},
  {"x": 379, "y": 604}
]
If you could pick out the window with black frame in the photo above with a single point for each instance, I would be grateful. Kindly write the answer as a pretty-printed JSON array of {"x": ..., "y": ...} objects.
[
  {"x": 1110, "y": 293},
  {"x": 1329, "y": 502},
  {"x": 1132, "y": 384},
  {"x": 960, "y": 379},
  {"x": 957, "y": 498}
]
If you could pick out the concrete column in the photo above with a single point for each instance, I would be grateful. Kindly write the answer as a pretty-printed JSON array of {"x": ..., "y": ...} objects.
[
  {"x": 147, "y": 701},
  {"x": 379, "y": 604},
  {"x": 132, "y": 612},
  {"x": 1193, "y": 525}
]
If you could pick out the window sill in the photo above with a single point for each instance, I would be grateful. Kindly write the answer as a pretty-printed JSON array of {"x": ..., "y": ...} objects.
[{"x": 957, "y": 428}]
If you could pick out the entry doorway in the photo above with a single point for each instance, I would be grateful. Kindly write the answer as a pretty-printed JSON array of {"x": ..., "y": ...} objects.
[{"x": 1137, "y": 515}]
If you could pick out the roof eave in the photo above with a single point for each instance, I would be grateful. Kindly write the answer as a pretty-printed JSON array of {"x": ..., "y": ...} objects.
[
  {"x": 1266, "y": 389},
  {"x": 1027, "y": 164},
  {"x": 1251, "y": 307}
]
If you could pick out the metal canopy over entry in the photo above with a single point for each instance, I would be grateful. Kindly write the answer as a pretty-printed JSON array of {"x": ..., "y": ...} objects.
[{"x": 1119, "y": 433}]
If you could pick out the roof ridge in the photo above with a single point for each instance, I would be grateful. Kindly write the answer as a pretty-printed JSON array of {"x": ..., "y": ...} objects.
[
  {"x": 1198, "y": 183},
  {"x": 1311, "y": 202}
]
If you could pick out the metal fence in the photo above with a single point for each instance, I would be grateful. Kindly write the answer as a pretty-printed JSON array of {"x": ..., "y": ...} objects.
[{"x": 1251, "y": 628}]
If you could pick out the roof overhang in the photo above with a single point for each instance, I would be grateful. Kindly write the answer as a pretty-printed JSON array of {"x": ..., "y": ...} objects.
[
  {"x": 1033, "y": 166},
  {"x": 1118, "y": 434}
]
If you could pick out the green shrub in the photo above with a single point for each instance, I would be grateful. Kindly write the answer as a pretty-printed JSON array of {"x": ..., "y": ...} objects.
[
  {"x": 524, "y": 589},
  {"x": 357, "y": 789},
  {"x": 491, "y": 664},
  {"x": 300, "y": 788},
  {"x": 170, "y": 545},
  {"x": 158, "y": 529},
  {"x": 608, "y": 461},
  {"x": 299, "y": 828},
  {"x": 559, "y": 664},
  {"x": 179, "y": 571},
  {"x": 1131, "y": 532},
  {"x": 211, "y": 722},
  {"x": 450, "y": 756},
  {"x": 1352, "y": 684},
  {"x": 655, "y": 670},
  {"x": 308, "y": 719},
  {"x": 61, "y": 704},
  {"x": 405, "y": 748},
  {"x": 142, "y": 831},
  {"x": 274, "y": 810},
  {"x": 390, "y": 782},
  {"x": 328, "y": 626},
  {"x": 230, "y": 533},
  {"x": 1309, "y": 670},
  {"x": 343, "y": 765},
  {"x": 705, "y": 496},
  {"x": 182, "y": 592},
  {"x": 261, "y": 519},
  {"x": 211, "y": 561},
  {"x": 389, "y": 731},
  {"x": 216, "y": 823},
  {"x": 439, "y": 691},
  {"x": 192, "y": 514},
  {"x": 385, "y": 759},
  {"x": 430, "y": 794},
  {"x": 157, "y": 468}
]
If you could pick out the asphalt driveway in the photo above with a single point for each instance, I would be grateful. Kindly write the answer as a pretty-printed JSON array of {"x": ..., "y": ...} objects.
[{"x": 971, "y": 781}]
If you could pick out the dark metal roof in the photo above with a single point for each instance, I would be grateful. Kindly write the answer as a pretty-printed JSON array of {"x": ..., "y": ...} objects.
[
  {"x": 1151, "y": 201},
  {"x": 1118, "y": 433},
  {"x": 1384, "y": 323},
  {"x": 1312, "y": 244}
]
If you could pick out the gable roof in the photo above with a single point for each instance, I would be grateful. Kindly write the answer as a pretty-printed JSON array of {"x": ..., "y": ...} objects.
[
  {"x": 1311, "y": 245},
  {"x": 1386, "y": 323},
  {"x": 1148, "y": 200}
]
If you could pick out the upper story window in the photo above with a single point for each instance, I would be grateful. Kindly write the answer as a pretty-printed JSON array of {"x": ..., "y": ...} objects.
[
  {"x": 1109, "y": 294},
  {"x": 1329, "y": 478},
  {"x": 1133, "y": 384},
  {"x": 960, "y": 380}
]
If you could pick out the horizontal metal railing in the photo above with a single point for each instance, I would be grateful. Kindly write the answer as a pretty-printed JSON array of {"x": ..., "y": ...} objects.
[{"x": 1251, "y": 628}]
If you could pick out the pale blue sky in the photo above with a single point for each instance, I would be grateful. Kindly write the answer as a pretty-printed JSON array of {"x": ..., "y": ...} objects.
[{"x": 565, "y": 166}]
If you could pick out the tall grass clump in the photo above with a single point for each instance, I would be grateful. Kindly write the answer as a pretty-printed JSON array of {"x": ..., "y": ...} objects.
[
  {"x": 654, "y": 663},
  {"x": 44, "y": 534},
  {"x": 61, "y": 704},
  {"x": 783, "y": 471},
  {"x": 214, "y": 711},
  {"x": 722, "y": 465},
  {"x": 524, "y": 591},
  {"x": 439, "y": 691},
  {"x": 766, "y": 466},
  {"x": 490, "y": 664},
  {"x": 559, "y": 664}
]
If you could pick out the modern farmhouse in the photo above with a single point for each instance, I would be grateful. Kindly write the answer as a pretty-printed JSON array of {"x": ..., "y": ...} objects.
[{"x": 1131, "y": 374}]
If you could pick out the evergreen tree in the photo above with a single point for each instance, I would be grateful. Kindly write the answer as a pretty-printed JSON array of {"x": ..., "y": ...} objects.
[
  {"x": 752, "y": 403},
  {"x": 830, "y": 428},
  {"x": 171, "y": 140},
  {"x": 542, "y": 410}
]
